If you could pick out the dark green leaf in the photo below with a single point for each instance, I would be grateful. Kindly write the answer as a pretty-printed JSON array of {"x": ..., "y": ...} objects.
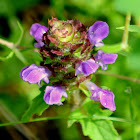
[{"x": 37, "y": 107}]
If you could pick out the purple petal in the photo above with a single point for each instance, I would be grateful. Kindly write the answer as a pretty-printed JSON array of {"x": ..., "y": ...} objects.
[
  {"x": 95, "y": 96},
  {"x": 54, "y": 94},
  {"x": 107, "y": 99},
  {"x": 39, "y": 44},
  {"x": 93, "y": 88},
  {"x": 35, "y": 73},
  {"x": 22, "y": 71},
  {"x": 37, "y": 30},
  {"x": 34, "y": 76},
  {"x": 87, "y": 67},
  {"x": 105, "y": 58},
  {"x": 109, "y": 58},
  {"x": 47, "y": 94},
  {"x": 97, "y": 32},
  {"x": 26, "y": 70}
]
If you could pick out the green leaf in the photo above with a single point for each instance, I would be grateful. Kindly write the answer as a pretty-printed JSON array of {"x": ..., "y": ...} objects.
[
  {"x": 98, "y": 130},
  {"x": 126, "y": 6},
  {"x": 37, "y": 107},
  {"x": 110, "y": 48},
  {"x": 93, "y": 125},
  {"x": 92, "y": 108},
  {"x": 7, "y": 57},
  {"x": 20, "y": 56},
  {"x": 21, "y": 35},
  {"x": 131, "y": 28}
]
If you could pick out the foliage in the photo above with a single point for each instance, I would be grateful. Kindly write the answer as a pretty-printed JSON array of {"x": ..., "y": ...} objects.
[{"x": 25, "y": 100}]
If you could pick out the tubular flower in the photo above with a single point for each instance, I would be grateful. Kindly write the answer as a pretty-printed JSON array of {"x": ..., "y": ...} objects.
[
  {"x": 35, "y": 73},
  {"x": 53, "y": 95},
  {"x": 37, "y": 30},
  {"x": 106, "y": 97},
  {"x": 66, "y": 48},
  {"x": 103, "y": 59},
  {"x": 97, "y": 32},
  {"x": 86, "y": 67}
]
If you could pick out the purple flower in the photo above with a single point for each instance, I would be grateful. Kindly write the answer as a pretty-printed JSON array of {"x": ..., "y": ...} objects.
[
  {"x": 35, "y": 73},
  {"x": 97, "y": 32},
  {"x": 53, "y": 95},
  {"x": 37, "y": 30},
  {"x": 103, "y": 59},
  {"x": 86, "y": 67},
  {"x": 106, "y": 97}
]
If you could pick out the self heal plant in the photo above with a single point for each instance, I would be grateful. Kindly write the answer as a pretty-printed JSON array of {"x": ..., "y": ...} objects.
[{"x": 69, "y": 58}]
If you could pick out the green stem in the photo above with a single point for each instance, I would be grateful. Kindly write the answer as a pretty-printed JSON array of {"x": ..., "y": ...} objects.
[
  {"x": 96, "y": 118},
  {"x": 119, "y": 76},
  {"x": 126, "y": 32}
]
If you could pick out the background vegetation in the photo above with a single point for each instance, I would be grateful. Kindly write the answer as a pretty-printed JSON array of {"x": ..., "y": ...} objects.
[{"x": 122, "y": 77}]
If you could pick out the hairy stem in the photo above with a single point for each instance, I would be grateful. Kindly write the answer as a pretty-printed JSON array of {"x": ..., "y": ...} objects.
[
  {"x": 119, "y": 76},
  {"x": 125, "y": 33},
  {"x": 6, "y": 43}
]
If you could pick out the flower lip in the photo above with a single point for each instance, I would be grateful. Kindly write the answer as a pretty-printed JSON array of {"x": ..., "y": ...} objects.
[
  {"x": 86, "y": 67},
  {"x": 35, "y": 73},
  {"x": 53, "y": 95},
  {"x": 103, "y": 59},
  {"x": 97, "y": 32},
  {"x": 37, "y": 30},
  {"x": 106, "y": 97}
]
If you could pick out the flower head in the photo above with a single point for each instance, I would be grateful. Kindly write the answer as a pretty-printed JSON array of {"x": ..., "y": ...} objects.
[
  {"x": 53, "y": 95},
  {"x": 103, "y": 59},
  {"x": 37, "y": 30},
  {"x": 97, "y": 32},
  {"x": 86, "y": 67},
  {"x": 34, "y": 74},
  {"x": 106, "y": 97}
]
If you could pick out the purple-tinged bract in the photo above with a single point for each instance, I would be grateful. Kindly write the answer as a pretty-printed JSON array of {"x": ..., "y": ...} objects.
[
  {"x": 106, "y": 97},
  {"x": 35, "y": 73},
  {"x": 37, "y": 30},
  {"x": 86, "y": 67},
  {"x": 97, "y": 32},
  {"x": 53, "y": 95},
  {"x": 103, "y": 59}
]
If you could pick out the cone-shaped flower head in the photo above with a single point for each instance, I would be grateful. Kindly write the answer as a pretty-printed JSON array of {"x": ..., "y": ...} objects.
[
  {"x": 37, "y": 30},
  {"x": 86, "y": 67},
  {"x": 35, "y": 73},
  {"x": 70, "y": 34},
  {"x": 53, "y": 95},
  {"x": 103, "y": 59},
  {"x": 106, "y": 97},
  {"x": 97, "y": 32}
]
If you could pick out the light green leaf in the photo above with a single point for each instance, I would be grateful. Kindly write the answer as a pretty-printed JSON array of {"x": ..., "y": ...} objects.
[
  {"x": 131, "y": 28},
  {"x": 99, "y": 130},
  {"x": 37, "y": 107},
  {"x": 110, "y": 48},
  {"x": 21, "y": 35},
  {"x": 20, "y": 56}
]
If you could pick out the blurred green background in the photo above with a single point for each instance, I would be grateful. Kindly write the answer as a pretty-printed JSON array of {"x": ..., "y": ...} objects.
[{"x": 16, "y": 95}]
